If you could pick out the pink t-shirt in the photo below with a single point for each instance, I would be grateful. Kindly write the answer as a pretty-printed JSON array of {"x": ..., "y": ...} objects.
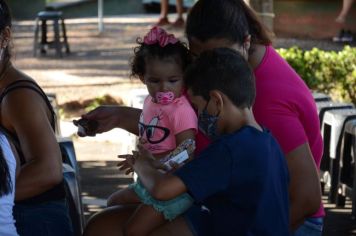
[
  {"x": 159, "y": 124},
  {"x": 285, "y": 105}
]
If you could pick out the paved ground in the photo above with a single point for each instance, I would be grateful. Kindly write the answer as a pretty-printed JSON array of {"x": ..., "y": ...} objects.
[{"x": 98, "y": 65}]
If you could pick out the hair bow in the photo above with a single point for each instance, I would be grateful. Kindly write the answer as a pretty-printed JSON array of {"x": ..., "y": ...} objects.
[{"x": 160, "y": 36}]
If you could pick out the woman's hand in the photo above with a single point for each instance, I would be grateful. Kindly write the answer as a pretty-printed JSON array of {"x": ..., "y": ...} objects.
[
  {"x": 111, "y": 116},
  {"x": 107, "y": 118}
]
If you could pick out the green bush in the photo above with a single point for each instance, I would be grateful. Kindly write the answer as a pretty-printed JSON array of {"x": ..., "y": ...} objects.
[{"x": 329, "y": 72}]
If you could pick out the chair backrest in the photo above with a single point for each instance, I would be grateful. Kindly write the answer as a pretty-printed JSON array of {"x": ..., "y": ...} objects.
[
  {"x": 74, "y": 199},
  {"x": 68, "y": 152}
]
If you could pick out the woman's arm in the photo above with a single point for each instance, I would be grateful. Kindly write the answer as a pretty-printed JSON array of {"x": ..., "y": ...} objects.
[
  {"x": 304, "y": 188},
  {"x": 26, "y": 114},
  {"x": 110, "y": 117}
]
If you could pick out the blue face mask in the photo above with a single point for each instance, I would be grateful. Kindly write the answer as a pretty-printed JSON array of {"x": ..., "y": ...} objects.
[{"x": 208, "y": 124}]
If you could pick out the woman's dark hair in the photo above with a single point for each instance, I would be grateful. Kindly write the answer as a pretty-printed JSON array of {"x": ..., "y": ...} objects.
[
  {"x": 5, "y": 180},
  {"x": 225, "y": 70},
  {"x": 5, "y": 20},
  {"x": 225, "y": 19},
  {"x": 178, "y": 51}
]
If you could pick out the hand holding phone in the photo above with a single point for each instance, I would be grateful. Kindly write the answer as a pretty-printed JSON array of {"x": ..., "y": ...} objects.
[
  {"x": 86, "y": 127},
  {"x": 178, "y": 159}
]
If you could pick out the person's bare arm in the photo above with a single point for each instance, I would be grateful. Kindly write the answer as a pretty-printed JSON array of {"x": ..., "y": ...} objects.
[
  {"x": 184, "y": 135},
  {"x": 27, "y": 114},
  {"x": 110, "y": 117},
  {"x": 304, "y": 189},
  {"x": 161, "y": 186}
]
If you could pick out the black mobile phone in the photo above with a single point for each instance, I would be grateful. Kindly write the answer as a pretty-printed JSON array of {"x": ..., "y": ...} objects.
[{"x": 86, "y": 127}]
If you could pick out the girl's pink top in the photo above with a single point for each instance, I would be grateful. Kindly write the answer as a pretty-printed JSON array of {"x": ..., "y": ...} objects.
[{"x": 159, "y": 124}]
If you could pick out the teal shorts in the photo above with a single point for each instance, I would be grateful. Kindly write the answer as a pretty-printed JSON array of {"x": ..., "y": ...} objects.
[{"x": 170, "y": 209}]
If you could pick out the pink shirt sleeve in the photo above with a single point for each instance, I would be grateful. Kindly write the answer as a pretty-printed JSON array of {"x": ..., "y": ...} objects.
[
  {"x": 285, "y": 127},
  {"x": 285, "y": 105}
]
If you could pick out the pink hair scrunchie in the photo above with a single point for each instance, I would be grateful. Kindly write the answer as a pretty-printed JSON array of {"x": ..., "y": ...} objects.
[{"x": 160, "y": 36}]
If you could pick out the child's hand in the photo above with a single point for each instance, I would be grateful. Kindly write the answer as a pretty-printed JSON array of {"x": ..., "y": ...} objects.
[
  {"x": 159, "y": 165},
  {"x": 127, "y": 164},
  {"x": 174, "y": 166},
  {"x": 143, "y": 154}
]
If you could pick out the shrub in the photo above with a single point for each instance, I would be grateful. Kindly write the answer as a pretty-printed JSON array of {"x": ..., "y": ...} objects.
[{"x": 329, "y": 72}]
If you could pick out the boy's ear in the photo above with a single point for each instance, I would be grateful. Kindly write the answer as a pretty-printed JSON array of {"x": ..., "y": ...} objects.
[{"x": 217, "y": 98}]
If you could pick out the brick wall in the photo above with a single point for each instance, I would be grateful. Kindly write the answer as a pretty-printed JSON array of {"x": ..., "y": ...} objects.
[{"x": 312, "y": 19}]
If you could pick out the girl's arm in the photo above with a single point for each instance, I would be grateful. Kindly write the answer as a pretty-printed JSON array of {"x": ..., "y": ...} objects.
[
  {"x": 161, "y": 186},
  {"x": 182, "y": 137},
  {"x": 185, "y": 141}
]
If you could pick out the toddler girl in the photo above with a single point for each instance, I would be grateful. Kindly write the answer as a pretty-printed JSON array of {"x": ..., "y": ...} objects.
[{"x": 167, "y": 125}]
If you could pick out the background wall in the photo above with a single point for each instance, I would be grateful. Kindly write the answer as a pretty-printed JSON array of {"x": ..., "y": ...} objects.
[
  {"x": 26, "y": 8},
  {"x": 312, "y": 19}
]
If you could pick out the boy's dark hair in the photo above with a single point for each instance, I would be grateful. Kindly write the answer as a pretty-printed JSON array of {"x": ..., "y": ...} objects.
[
  {"x": 225, "y": 70},
  {"x": 5, "y": 20},
  {"x": 5, "y": 181},
  {"x": 225, "y": 19},
  {"x": 178, "y": 51}
]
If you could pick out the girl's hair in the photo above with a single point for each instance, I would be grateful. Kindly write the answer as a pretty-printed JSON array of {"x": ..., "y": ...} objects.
[
  {"x": 5, "y": 181},
  {"x": 5, "y": 20},
  {"x": 144, "y": 52},
  {"x": 225, "y": 19}
]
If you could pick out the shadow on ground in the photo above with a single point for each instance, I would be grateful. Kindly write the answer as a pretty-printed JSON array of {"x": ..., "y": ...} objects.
[{"x": 101, "y": 178}]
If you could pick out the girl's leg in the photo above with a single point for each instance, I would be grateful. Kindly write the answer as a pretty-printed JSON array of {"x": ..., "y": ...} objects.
[
  {"x": 144, "y": 221},
  {"x": 122, "y": 197},
  {"x": 177, "y": 227},
  {"x": 111, "y": 221}
]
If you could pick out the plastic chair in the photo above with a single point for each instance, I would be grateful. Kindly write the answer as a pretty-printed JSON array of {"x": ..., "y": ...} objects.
[
  {"x": 321, "y": 97},
  {"x": 74, "y": 199},
  {"x": 326, "y": 106},
  {"x": 52, "y": 97},
  {"x": 68, "y": 152},
  {"x": 347, "y": 178},
  {"x": 332, "y": 129}
]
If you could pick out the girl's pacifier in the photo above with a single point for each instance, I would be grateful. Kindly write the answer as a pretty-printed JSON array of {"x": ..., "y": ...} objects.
[{"x": 164, "y": 98}]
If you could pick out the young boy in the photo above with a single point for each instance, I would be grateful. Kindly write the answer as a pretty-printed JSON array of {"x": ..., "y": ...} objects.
[{"x": 240, "y": 182}]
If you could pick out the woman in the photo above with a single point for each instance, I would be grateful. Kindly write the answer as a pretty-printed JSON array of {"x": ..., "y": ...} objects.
[
  {"x": 283, "y": 104},
  {"x": 8, "y": 172},
  {"x": 27, "y": 118}
]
